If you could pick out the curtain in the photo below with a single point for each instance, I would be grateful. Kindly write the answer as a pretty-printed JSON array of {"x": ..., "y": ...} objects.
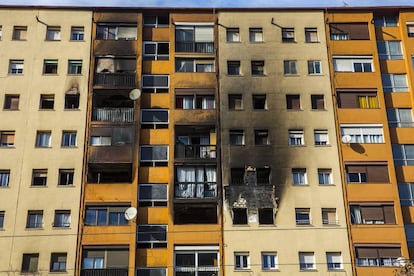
[
  {"x": 356, "y": 215},
  {"x": 186, "y": 178},
  {"x": 204, "y": 150},
  {"x": 200, "y": 182}
]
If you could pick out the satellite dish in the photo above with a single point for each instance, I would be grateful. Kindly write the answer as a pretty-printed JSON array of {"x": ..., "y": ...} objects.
[
  {"x": 130, "y": 213},
  {"x": 346, "y": 139},
  {"x": 135, "y": 94}
]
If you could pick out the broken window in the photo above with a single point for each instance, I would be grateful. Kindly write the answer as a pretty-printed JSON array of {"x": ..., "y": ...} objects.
[
  {"x": 266, "y": 216},
  {"x": 239, "y": 215}
]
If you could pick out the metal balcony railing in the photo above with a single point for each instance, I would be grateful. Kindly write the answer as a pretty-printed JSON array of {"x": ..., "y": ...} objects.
[
  {"x": 194, "y": 47},
  {"x": 115, "y": 79},
  {"x": 195, "y": 151},
  {"x": 105, "y": 272},
  {"x": 110, "y": 114},
  {"x": 195, "y": 190}
]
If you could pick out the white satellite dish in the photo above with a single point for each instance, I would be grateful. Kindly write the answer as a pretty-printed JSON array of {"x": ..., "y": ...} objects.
[
  {"x": 135, "y": 94},
  {"x": 130, "y": 213},
  {"x": 346, "y": 139}
]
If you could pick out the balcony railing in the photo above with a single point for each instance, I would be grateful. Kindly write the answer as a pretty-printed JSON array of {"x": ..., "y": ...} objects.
[
  {"x": 195, "y": 190},
  {"x": 195, "y": 151},
  {"x": 109, "y": 114},
  {"x": 115, "y": 79},
  {"x": 194, "y": 47},
  {"x": 105, "y": 272}
]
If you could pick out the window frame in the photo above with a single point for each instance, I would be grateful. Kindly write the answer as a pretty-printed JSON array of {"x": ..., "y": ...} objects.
[
  {"x": 310, "y": 33},
  {"x": 303, "y": 264},
  {"x": 156, "y": 55},
  {"x": 261, "y": 137},
  {"x": 157, "y": 20},
  {"x": 325, "y": 177},
  {"x": 233, "y": 68},
  {"x": 55, "y": 260},
  {"x": 372, "y": 213},
  {"x": 50, "y": 66},
  {"x": 327, "y": 216},
  {"x": 39, "y": 178},
  {"x": 232, "y": 32},
  {"x": 19, "y": 33},
  {"x": 296, "y": 137},
  {"x": 100, "y": 215},
  {"x": 69, "y": 139},
  {"x": 330, "y": 258},
  {"x": 154, "y": 88},
  {"x": 154, "y": 124},
  {"x": 241, "y": 261},
  {"x": 75, "y": 67},
  {"x": 299, "y": 177},
  {"x": 53, "y": 33},
  {"x": 150, "y": 201},
  {"x": 11, "y": 102},
  {"x": 4, "y": 178},
  {"x": 30, "y": 263},
  {"x": 290, "y": 67},
  {"x": 235, "y": 102},
  {"x": 392, "y": 87},
  {"x": 77, "y": 33},
  {"x": 152, "y": 241},
  {"x": 66, "y": 177},
  {"x": 45, "y": 135},
  {"x": 256, "y": 35},
  {"x": 259, "y": 102},
  {"x": 314, "y": 67},
  {"x": 16, "y": 67},
  {"x": 288, "y": 35},
  {"x": 353, "y": 64},
  {"x": 62, "y": 219},
  {"x": 363, "y": 133},
  {"x": 318, "y": 102},
  {"x": 236, "y": 135},
  {"x": 385, "y": 50},
  {"x": 47, "y": 102},
  {"x": 7, "y": 138},
  {"x": 321, "y": 137},
  {"x": 269, "y": 261},
  {"x": 258, "y": 68},
  {"x": 303, "y": 216},
  {"x": 37, "y": 215},
  {"x": 2, "y": 215}
]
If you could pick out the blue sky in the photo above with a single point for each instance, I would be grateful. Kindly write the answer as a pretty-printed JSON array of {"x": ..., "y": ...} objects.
[{"x": 212, "y": 3}]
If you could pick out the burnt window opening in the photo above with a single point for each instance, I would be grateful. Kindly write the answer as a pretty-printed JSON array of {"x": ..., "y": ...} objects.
[
  {"x": 239, "y": 216},
  {"x": 107, "y": 175},
  {"x": 266, "y": 216},
  {"x": 250, "y": 176},
  {"x": 185, "y": 214},
  {"x": 71, "y": 101},
  {"x": 237, "y": 176}
]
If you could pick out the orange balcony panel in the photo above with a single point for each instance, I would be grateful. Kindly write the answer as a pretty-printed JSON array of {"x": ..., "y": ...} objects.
[
  {"x": 408, "y": 214},
  {"x": 154, "y": 136},
  {"x": 405, "y": 173},
  {"x": 191, "y": 80},
  {"x": 157, "y": 215},
  {"x": 376, "y": 270},
  {"x": 360, "y": 80},
  {"x": 388, "y": 33},
  {"x": 156, "y": 34},
  {"x": 195, "y": 234},
  {"x": 403, "y": 135},
  {"x": 396, "y": 66},
  {"x": 107, "y": 192},
  {"x": 152, "y": 257},
  {"x": 398, "y": 99},
  {"x": 156, "y": 66},
  {"x": 360, "y": 115},
  {"x": 371, "y": 192},
  {"x": 155, "y": 100},
  {"x": 366, "y": 152},
  {"x": 195, "y": 116},
  {"x": 153, "y": 174},
  {"x": 374, "y": 234},
  {"x": 352, "y": 47},
  {"x": 101, "y": 235}
]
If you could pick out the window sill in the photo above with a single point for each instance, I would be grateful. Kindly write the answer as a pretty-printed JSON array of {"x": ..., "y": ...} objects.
[
  {"x": 328, "y": 185},
  {"x": 38, "y": 186},
  {"x": 291, "y": 75},
  {"x": 261, "y": 76},
  {"x": 299, "y": 146},
  {"x": 262, "y": 145},
  {"x": 11, "y": 74},
  {"x": 236, "y": 109},
  {"x": 47, "y": 109},
  {"x": 43, "y": 147},
  {"x": 7, "y": 109},
  {"x": 301, "y": 185},
  {"x": 71, "y": 109},
  {"x": 310, "y": 42},
  {"x": 66, "y": 186},
  {"x": 304, "y": 225},
  {"x": 242, "y": 269},
  {"x": 271, "y": 270},
  {"x": 261, "y": 109},
  {"x": 336, "y": 270},
  {"x": 7, "y": 147},
  {"x": 49, "y": 74},
  {"x": 241, "y": 225},
  {"x": 61, "y": 227},
  {"x": 316, "y": 75},
  {"x": 231, "y": 76},
  {"x": 58, "y": 272},
  {"x": 256, "y": 42},
  {"x": 309, "y": 270},
  {"x": 52, "y": 40},
  {"x": 291, "y": 109},
  {"x": 323, "y": 146},
  {"x": 318, "y": 109},
  {"x": 75, "y": 74},
  {"x": 69, "y": 147},
  {"x": 34, "y": 228}
]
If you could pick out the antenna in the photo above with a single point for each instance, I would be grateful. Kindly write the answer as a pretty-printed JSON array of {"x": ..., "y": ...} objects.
[
  {"x": 346, "y": 139},
  {"x": 130, "y": 213},
  {"x": 135, "y": 94}
]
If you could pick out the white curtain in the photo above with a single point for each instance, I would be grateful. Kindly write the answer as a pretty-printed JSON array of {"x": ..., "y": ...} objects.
[
  {"x": 200, "y": 182},
  {"x": 186, "y": 177}
]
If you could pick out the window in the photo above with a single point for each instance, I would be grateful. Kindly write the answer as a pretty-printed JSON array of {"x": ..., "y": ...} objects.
[
  {"x": 39, "y": 177},
  {"x": 34, "y": 219},
  {"x": 299, "y": 176},
  {"x": 99, "y": 141},
  {"x": 255, "y": 34},
  {"x": 156, "y": 21},
  {"x": 233, "y": 67},
  {"x": 53, "y": 33},
  {"x": 233, "y": 35},
  {"x": 269, "y": 261},
  {"x": 353, "y": 64},
  {"x": 195, "y": 102},
  {"x": 389, "y": 49},
  {"x": 259, "y": 102},
  {"x": 151, "y": 271},
  {"x": 74, "y": 67},
  {"x": 104, "y": 259},
  {"x": 72, "y": 100},
  {"x": 318, "y": 102},
  {"x": 1, "y": 31},
  {"x": 1, "y": 219},
  {"x": 195, "y": 39},
  {"x": 11, "y": 102},
  {"x": 43, "y": 139},
  {"x": 314, "y": 67},
  {"x": 321, "y": 137},
  {"x": 403, "y": 154},
  {"x": 77, "y": 33},
  {"x": 239, "y": 216},
  {"x": 400, "y": 117},
  {"x": 296, "y": 138},
  {"x": 367, "y": 173},
  {"x": 261, "y": 137},
  {"x": 19, "y": 33},
  {"x": 329, "y": 216},
  {"x": 311, "y": 35},
  {"x": 257, "y": 67},
  {"x": 241, "y": 260},
  {"x": 66, "y": 177},
  {"x": 62, "y": 218},
  {"x": 409, "y": 233},
  {"x": 58, "y": 262},
  {"x": 363, "y": 134},
  {"x": 30, "y": 262},
  {"x": 289, "y": 67},
  {"x": 16, "y": 67},
  {"x": 154, "y": 118},
  {"x": 236, "y": 137},
  {"x": 105, "y": 215},
  {"x": 334, "y": 260},
  {"x": 302, "y": 216},
  {"x": 200, "y": 260},
  {"x": 116, "y": 32},
  {"x": 154, "y": 155},
  {"x": 377, "y": 256},
  {"x": 235, "y": 102},
  {"x": 155, "y": 83},
  {"x": 410, "y": 29},
  {"x": 372, "y": 214},
  {"x": 50, "y": 66},
  {"x": 69, "y": 139},
  {"x": 156, "y": 50},
  {"x": 152, "y": 236},
  {"x": 406, "y": 192},
  {"x": 152, "y": 195},
  {"x": 325, "y": 177},
  {"x": 195, "y": 182},
  {"x": 385, "y": 20},
  {"x": 288, "y": 35},
  {"x": 307, "y": 260},
  {"x": 266, "y": 216},
  {"x": 293, "y": 102},
  {"x": 7, "y": 138},
  {"x": 349, "y": 31},
  {"x": 357, "y": 99},
  {"x": 394, "y": 82},
  {"x": 47, "y": 101},
  {"x": 4, "y": 178}
]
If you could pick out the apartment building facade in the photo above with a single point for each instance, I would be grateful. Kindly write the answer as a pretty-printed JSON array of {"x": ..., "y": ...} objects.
[{"x": 43, "y": 96}]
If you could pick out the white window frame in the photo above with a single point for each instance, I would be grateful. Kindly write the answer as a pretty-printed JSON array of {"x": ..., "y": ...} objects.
[
  {"x": 70, "y": 137},
  {"x": 53, "y": 33},
  {"x": 364, "y": 133},
  {"x": 349, "y": 63},
  {"x": 299, "y": 176},
  {"x": 4, "y": 178},
  {"x": 16, "y": 67},
  {"x": 233, "y": 35},
  {"x": 307, "y": 261},
  {"x": 321, "y": 137},
  {"x": 326, "y": 176},
  {"x": 192, "y": 65},
  {"x": 38, "y": 219},
  {"x": 269, "y": 258},
  {"x": 195, "y": 251},
  {"x": 303, "y": 211},
  {"x": 241, "y": 260},
  {"x": 334, "y": 260},
  {"x": 296, "y": 137},
  {"x": 309, "y": 37},
  {"x": 74, "y": 67},
  {"x": 62, "y": 216},
  {"x": 290, "y": 67},
  {"x": 314, "y": 67},
  {"x": 256, "y": 35},
  {"x": 43, "y": 139},
  {"x": 100, "y": 141},
  {"x": 77, "y": 33}
]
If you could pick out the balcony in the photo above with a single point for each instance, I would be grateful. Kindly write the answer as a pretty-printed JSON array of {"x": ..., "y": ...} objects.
[
  {"x": 195, "y": 190},
  {"x": 105, "y": 272},
  {"x": 115, "y": 80},
  {"x": 194, "y": 47},
  {"x": 111, "y": 114},
  {"x": 202, "y": 152}
]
